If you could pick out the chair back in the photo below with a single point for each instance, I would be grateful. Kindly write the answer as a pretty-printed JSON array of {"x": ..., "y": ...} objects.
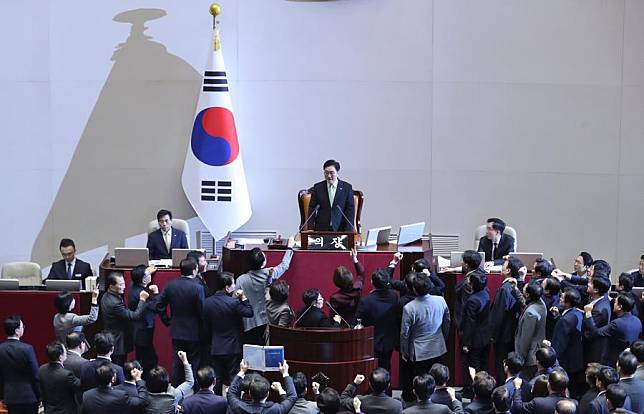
[
  {"x": 27, "y": 273},
  {"x": 304, "y": 199},
  {"x": 178, "y": 224}
]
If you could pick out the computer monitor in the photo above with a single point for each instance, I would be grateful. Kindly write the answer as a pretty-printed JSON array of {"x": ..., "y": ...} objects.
[
  {"x": 129, "y": 256},
  {"x": 9, "y": 284},
  {"x": 528, "y": 259},
  {"x": 68, "y": 285},
  {"x": 179, "y": 254},
  {"x": 410, "y": 233},
  {"x": 377, "y": 236},
  {"x": 456, "y": 259}
]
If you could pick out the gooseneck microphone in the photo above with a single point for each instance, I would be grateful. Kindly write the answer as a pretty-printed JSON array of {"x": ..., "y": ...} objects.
[{"x": 314, "y": 212}]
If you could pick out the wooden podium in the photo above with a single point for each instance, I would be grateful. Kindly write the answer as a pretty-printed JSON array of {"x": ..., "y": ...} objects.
[
  {"x": 327, "y": 240},
  {"x": 339, "y": 354}
]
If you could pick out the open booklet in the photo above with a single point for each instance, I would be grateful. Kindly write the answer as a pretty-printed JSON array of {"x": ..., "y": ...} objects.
[{"x": 264, "y": 358}]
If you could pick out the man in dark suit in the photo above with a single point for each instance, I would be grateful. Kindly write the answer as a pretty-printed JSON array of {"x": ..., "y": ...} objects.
[
  {"x": 606, "y": 377},
  {"x": 331, "y": 207},
  {"x": 504, "y": 314},
  {"x": 440, "y": 373},
  {"x": 18, "y": 370},
  {"x": 483, "y": 385},
  {"x": 129, "y": 385},
  {"x": 223, "y": 324},
  {"x": 638, "y": 275},
  {"x": 557, "y": 384},
  {"x": 598, "y": 295},
  {"x": 162, "y": 241},
  {"x": 495, "y": 244},
  {"x": 376, "y": 402},
  {"x": 70, "y": 267},
  {"x": 424, "y": 386},
  {"x": 75, "y": 343},
  {"x": 104, "y": 399},
  {"x": 205, "y": 401},
  {"x": 502, "y": 400},
  {"x": 104, "y": 345},
  {"x": 117, "y": 318},
  {"x": 625, "y": 286},
  {"x": 258, "y": 391},
  {"x": 311, "y": 315},
  {"x": 57, "y": 384},
  {"x": 626, "y": 367},
  {"x": 185, "y": 297},
  {"x": 620, "y": 332}
]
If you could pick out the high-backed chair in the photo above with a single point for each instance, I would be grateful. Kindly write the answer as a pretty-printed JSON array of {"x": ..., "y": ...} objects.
[
  {"x": 27, "y": 273},
  {"x": 176, "y": 223},
  {"x": 304, "y": 198},
  {"x": 480, "y": 232}
]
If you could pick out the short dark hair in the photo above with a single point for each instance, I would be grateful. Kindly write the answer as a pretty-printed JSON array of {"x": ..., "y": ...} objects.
[
  {"x": 626, "y": 302},
  {"x": 259, "y": 388},
  {"x": 158, "y": 380},
  {"x": 62, "y": 301},
  {"x": 409, "y": 281},
  {"x": 514, "y": 361},
  {"x": 137, "y": 274},
  {"x": 637, "y": 348},
  {"x": 66, "y": 243},
  {"x": 627, "y": 362},
  {"x": 602, "y": 284},
  {"x": 478, "y": 281},
  {"x": 205, "y": 376},
  {"x": 103, "y": 342},
  {"x": 128, "y": 366},
  {"x": 514, "y": 265},
  {"x": 379, "y": 380},
  {"x": 501, "y": 399},
  {"x": 587, "y": 258},
  {"x": 543, "y": 267},
  {"x": 497, "y": 224},
  {"x": 607, "y": 376},
  {"x": 342, "y": 278},
  {"x": 111, "y": 278},
  {"x": 256, "y": 258},
  {"x": 422, "y": 284},
  {"x": 279, "y": 291},
  {"x": 440, "y": 373},
  {"x": 74, "y": 339},
  {"x": 565, "y": 407},
  {"x": 540, "y": 386},
  {"x": 602, "y": 267},
  {"x": 104, "y": 374},
  {"x": 195, "y": 255},
  {"x": 546, "y": 356},
  {"x": 534, "y": 291},
  {"x": 483, "y": 385},
  {"x": 626, "y": 281},
  {"x": 558, "y": 380},
  {"x": 161, "y": 213},
  {"x": 223, "y": 280},
  {"x": 424, "y": 386},
  {"x": 310, "y": 295},
  {"x": 331, "y": 163},
  {"x": 421, "y": 264},
  {"x": 11, "y": 323},
  {"x": 187, "y": 267},
  {"x": 380, "y": 279},
  {"x": 472, "y": 259},
  {"x": 572, "y": 297},
  {"x": 591, "y": 373},
  {"x": 552, "y": 286},
  {"x": 300, "y": 382},
  {"x": 54, "y": 351},
  {"x": 616, "y": 395},
  {"x": 328, "y": 401}
]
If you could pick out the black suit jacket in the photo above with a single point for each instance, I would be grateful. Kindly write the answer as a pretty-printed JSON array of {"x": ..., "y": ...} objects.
[
  {"x": 205, "y": 402},
  {"x": 506, "y": 245},
  {"x": 143, "y": 327},
  {"x": 132, "y": 391},
  {"x": 57, "y": 388},
  {"x": 539, "y": 405},
  {"x": 567, "y": 341},
  {"x": 58, "y": 270},
  {"x": 108, "y": 400},
  {"x": 117, "y": 319},
  {"x": 504, "y": 315},
  {"x": 329, "y": 217},
  {"x": 380, "y": 310},
  {"x": 372, "y": 403},
  {"x": 223, "y": 322},
  {"x": 18, "y": 373},
  {"x": 314, "y": 318},
  {"x": 156, "y": 244},
  {"x": 88, "y": 373},
  {"x": 475, "y": 324},
  {"x": 185, "y": 297}
]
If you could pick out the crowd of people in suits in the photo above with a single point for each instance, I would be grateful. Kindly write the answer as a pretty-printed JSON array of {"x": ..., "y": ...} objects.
[{"x": 561, "y": 344}]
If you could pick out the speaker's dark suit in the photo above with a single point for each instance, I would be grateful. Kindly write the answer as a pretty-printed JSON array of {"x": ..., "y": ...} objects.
[
  {"x": 18, "y": 373},
  {"x": 57, "y": 388},
  {"x": 117, "y": 319},
  {"x": 329, "y": 217},
  {"x": 314, "y": 318},
  {"x": 88, "y": 372},
  {"x": 58, "y": 270},
  {"x": 567, "y": 341},
  {"x": 380, "y": 310},
  {"x": 205, "y": 402},
  {"x": 156, "y": 244},
  {"x": 109, "y": 400},
  {"x": 506, "y": 245}
]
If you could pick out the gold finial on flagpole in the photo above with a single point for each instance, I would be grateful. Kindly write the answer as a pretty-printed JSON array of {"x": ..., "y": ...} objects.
[{"x": 215, "y": 10}]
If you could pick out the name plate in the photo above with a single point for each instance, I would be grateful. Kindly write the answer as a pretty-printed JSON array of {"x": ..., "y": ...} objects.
[{"x": 328, "y": 242}]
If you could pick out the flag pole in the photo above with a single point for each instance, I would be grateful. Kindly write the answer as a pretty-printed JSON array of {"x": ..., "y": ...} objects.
[{"x": 215, "y": 10}]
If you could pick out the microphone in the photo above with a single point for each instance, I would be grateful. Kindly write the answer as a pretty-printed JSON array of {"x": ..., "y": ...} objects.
[
  {"x": 314, "y": 212},
  {"x": 338, "y": 313},
  {"x": 346, "y": 218},
  {"x": 304, "y": 313}
]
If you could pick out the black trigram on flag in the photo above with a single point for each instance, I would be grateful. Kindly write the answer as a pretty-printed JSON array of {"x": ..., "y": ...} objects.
[
  {"x": 215, "y": 81},
  {"x": 216, "y": 191}
]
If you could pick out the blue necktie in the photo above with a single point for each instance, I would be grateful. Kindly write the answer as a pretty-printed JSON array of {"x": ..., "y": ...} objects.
[{"x": 69, "y": 270}]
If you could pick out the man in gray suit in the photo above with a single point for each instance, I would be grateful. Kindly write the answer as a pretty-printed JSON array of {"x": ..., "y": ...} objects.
[
  {"x": 424, "y": 328},
  {"x": 75, "y": 343},
  {"x": 531, "y": 330}
]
